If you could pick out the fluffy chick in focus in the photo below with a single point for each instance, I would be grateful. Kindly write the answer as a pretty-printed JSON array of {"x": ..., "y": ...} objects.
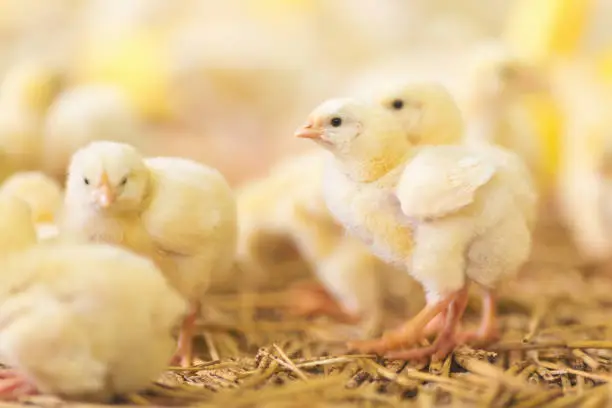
[
  {"x": 44, "y": 196},
  {"x": 448, "y": 215},
  {"x": 356, "y": 279},
  {"x": 65, "y": 330},
  {"x": 177, "y": 212},
  {"x": 26, "y": 92},
  {"x": 85, "y": 114},
  {"x": 494, "y": 105}
]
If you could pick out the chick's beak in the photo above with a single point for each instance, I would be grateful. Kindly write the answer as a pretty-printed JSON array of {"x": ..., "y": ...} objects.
[
  {"x": 105, "y": 195},
  {"x": 309, "y": 131}
]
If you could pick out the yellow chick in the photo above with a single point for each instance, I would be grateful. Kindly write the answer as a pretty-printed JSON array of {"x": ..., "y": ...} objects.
[
  {"x": 494, "y": 106},
  {"x": 42, "y": 193},
  {"x": 448, "y": 215},
  {"x": 180, "y": 213},
  {"x": 16, "y": 226},
  {"x": 25, "y": 94},
  {"x": 83, "y": 322},
  {"x": 82, "y": 115}
]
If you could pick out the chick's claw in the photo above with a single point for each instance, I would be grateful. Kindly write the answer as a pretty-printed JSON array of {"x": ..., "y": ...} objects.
[
  {"x": 13, "y": 385},
  {"x": 312, "y": 299}
]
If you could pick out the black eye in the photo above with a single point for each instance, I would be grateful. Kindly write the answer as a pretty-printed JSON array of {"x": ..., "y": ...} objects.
[
  {"x": 123, "y": 181},
  {"x": 397, "y": 104},
  {"x": 86, "y": 180},
  {"x": 336, "y": 122}
]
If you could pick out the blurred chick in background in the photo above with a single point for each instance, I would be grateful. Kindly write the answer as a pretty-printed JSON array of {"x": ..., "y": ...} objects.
[
  {"x": 26, "y": 92},
  {"x": 42, "y": 193},
  {"x": 494, "y": 107},
  {"x": 179, "y": 213},
  {"x": 84, "y": 114},
  {"x": 583, "y": 195}
]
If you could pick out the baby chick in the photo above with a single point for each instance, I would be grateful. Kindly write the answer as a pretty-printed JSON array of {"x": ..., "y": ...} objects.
[
  {"x": 180, "y": 213},
  {"x": 17, "y": 230},
  {"x": 65, "y": 330},
  {"x": 42, "y": 193},
  {"x": 448, "y": 214},
  {"x": 495, "y": 108},
  {"x": 25, "y": 94},
  {"x": 85, "y": 114}
]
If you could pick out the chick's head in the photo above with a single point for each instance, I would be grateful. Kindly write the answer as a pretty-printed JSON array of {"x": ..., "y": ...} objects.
[
  {"x": 108, "y": 176},
  {"x": 427, "y": 111},
  {"x": 357, "y": 133}
]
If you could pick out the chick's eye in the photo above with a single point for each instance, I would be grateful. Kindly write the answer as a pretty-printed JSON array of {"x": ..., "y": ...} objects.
[
  {"x": 86, "y": 180},
  {"x": 336, "y": 122},
  {"x": 397, "y": 104},
  {"x": 123, "y": 181}
]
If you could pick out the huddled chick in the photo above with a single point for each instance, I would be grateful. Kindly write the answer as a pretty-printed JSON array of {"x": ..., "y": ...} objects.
[
  {"x": 42, "y": 193},
  {"x": 84, "y": 114},
  {"x": 179, "y": 213},
  {"x": 64, "y": 328},
  {"x": 448, "y": 215},
  {"x": 26, "y": 91}
]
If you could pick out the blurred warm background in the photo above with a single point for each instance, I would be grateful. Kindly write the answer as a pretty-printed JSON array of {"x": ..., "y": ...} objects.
[{"x": 227, "y": 82}]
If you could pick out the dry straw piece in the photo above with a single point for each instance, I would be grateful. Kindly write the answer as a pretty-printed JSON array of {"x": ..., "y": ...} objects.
[{"x": 555, "y": 351}]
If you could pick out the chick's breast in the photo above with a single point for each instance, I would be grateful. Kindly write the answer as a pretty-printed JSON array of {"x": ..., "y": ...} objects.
[
  {"x": 192, "y": 220},
  {"x": 64, "y": 324}
]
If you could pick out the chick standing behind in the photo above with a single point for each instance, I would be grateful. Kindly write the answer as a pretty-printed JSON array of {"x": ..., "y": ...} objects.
[{"x": 177, "y": 212}]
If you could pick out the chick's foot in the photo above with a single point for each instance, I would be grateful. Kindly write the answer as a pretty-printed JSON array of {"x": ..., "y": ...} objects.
[
  {"x": 410, "y": 333},
  {"x": 488, "y": 332},
  {"x": 447, "y": 338},
  {"x": 312, "y": 299},
  {"x": 14, "y": 385}
]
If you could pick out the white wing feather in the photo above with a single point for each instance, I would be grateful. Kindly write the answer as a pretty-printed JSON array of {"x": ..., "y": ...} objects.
[{"x": 441, "y": 180}]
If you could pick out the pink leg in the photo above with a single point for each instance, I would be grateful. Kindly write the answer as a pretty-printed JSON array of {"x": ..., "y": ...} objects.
[
  {"x": 446, "y": 340},
  {"x": 411, "y": 332},
  {"x": 488, "y": 331},
  {"x": 14, "y": 385},
  {"x": 184, "y": 351},
  {"x": 312, "y": 299}
]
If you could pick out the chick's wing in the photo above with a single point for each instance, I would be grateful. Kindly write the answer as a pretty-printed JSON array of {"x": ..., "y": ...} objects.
[
  {"x": 441, "y": 180},
  {"x": 190, "y": 205}
]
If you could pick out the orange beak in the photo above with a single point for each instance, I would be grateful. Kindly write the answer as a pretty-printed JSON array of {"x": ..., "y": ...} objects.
[
  {"x": 308, "y": 131},
  {"x": 104, "y": 194}
]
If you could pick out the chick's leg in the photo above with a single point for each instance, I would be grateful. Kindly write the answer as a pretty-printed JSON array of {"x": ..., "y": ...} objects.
[
  {"x": 14, "y": 385},
  {"x": 184, "y": 350},
  {"x": 438, "y": 262},
  {"x": 488, "y": 330},
  {"x": 406, "y": 335},
  {"x": 446, "y": 340},
  {"x": 310, "y": 299}
]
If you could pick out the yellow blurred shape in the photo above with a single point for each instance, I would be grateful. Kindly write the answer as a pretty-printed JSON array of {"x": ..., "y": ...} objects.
[
  {"x": 542, "y": 29},
  {"x": 136, "y": 62},
  {"x": 280, "y": 8},
  {"x": 548, "y": 121},
  {"x": 604, "y": 66}
]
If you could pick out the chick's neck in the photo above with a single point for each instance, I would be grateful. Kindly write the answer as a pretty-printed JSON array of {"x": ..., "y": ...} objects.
[{"x": 375, "y": 166}]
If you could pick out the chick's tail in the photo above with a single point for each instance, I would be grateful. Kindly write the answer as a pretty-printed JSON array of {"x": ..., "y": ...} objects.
[{"x": 43, "y": 341}]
